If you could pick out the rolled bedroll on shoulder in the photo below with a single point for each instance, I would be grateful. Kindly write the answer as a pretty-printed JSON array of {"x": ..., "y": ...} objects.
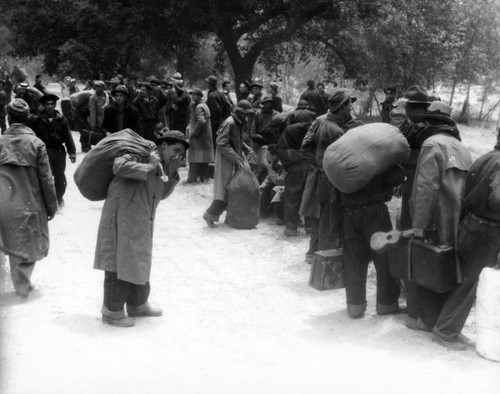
[
  {"x": 362, "y": 153},
  {"x": 95, "y": 172}
]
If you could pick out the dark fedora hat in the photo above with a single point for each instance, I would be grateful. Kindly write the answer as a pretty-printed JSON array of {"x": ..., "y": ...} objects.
[
  {"x": 173, "y": 136},
  {"x": 48, "y": 97},
  {"x": 212, "y": 79},
  {"x": 196, "y": 91},
  {"x": 416, "y": 95},
  {"x": 257, "y": 84},
  {"x": 266, "y": 99},
  {"x": 339, "y": 97},
  {"x": 120, "y": 89},
  {"x": 391, "y": 88},
  {"x": 302, "y": 104},
  {"x": 154, "y": 81},
  {"x": 244, "y": 106}
]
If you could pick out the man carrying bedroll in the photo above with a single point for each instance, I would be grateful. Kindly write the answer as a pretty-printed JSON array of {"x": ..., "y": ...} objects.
[{"x": 125, "y": 237}]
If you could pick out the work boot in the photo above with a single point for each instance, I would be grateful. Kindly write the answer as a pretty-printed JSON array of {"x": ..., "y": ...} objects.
[
  {"x": 383, "y": 309},
  {"x": 356, "y": 311},
  {"x": 210, "y": 219},
  {"x": 117, "y": 319},
  {"x": 143, "y": 310},
  {"x": 417, "y": 325}
]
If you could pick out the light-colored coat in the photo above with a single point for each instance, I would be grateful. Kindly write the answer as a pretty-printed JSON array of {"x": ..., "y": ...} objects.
[
  {"x": 439, "y": 186},
  {"x": 125, "y": 237},
  {"x": 229, "y": 151},
  {"x": 201, "y": 145},
  {"x": 27, "y": 193}
]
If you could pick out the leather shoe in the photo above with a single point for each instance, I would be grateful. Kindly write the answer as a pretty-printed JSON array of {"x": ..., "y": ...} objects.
[
  {"x": 120, "y": 322},
  {"x": 209, "y": 219},
  {"x": 144, "y": 310}
]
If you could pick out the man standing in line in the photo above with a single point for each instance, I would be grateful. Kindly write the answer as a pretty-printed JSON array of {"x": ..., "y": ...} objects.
[
  {"x": 201, "y": 149},
  {"x": 119, "y": 115},
  {"x": 296, "y": 168},
  {"x": 436, "y": 198},
  {"x": 229, "y": 156},
  {"x": 38, "y": 84},
  {"x": 149, "y": 112},
  {"x": 125, "y": 237},
  {"x": 314, "y": 99},
  {"x": 53, "y": 129},
  {"x": 277, "y": 101},
  {"x": 262, "y": 121},
  {"x": 97, "y": 103},
  {"x": 220, "y": 109},
  {"x": 226, "y": 89},
  {"x": 388, "y": 104},
  {"x": 27, "y": 195},
  {"x": 478, "y": 245},
  {"x": 244, "y": 92},
  {"x": 180, "y": 107},
  {"x": 326, "y": 224}
]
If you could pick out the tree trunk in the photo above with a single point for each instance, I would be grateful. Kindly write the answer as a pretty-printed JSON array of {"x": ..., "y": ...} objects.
[
  {"x": 485, "y": 96},
  {"x": 242, "y": 69},
  {"x": 453, "y": 86},
  {"x": 465, "y": 114},
  {"x": 369, "y": 101}
]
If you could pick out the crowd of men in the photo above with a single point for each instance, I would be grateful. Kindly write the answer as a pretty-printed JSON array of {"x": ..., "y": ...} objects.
[{"x": 446, "y": 198}]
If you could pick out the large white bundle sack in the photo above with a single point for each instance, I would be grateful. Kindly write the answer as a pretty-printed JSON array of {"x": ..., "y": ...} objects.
[
  {"x": 488, "y": 314},
  {"x": 362, "y": 153},
  {"x": 79, "y": 99}
]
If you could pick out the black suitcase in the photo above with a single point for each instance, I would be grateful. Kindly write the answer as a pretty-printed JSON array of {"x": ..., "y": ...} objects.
[
  {"x": 327, "y": 270},
  {"x": 433, "y": 266}
]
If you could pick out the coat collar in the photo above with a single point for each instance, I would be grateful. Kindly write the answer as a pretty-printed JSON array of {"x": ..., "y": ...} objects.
[{"x": 18, "y": 129}]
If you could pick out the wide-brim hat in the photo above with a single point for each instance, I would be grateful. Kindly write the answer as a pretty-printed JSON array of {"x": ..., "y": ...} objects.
[
  {"x": 339, "y": 97},
  {"x": 279, "y": 118},
  {"x": 257, "y": 84},
  {"x": 266, "y": 99},
  {"x": 173, "y": 136},
  {"x": 165, "y": 82},
  {"x": 303, "y": 104},
  {"x": 154, "y": 80},
  {"x": 244, "y": 106},
  {"x": 416, "y": 95},
  {"x": 98, "y": 83},
  {"x": 391, "y": 88},
  {"x": 212, "y": 79},
  {"x": 439, "y": 108},
  {"x": 120, "y": 89},
  {"x": 145, "y": 84},
  {"x": 196, "y": 91},
  {"x": 48, "y": 97},
  {"x": 23, "y": 85}
]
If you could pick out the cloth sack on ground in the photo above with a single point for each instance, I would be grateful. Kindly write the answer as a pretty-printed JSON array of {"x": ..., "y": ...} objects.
[
  {"x": 362, "y": 153},
  {"x": 79, "y": 99},
  {"x": 95, "y": 172},
  {"x": 487, "y": 316},
  {"x": 243, "y": 199}
]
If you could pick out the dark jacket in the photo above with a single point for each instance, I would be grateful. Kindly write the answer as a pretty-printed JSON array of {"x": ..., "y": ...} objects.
[
  {"x": 289, "y": 144},
  {"x": 315, "y": 101},
  {"x": 130, "y": 114},
  {"x": 53, "y": 133},
  {"x": 482, "y": 188},
  {"x": 220, "y": 108},
  {"x": 301, "y": 115},
  {"x": 278, "y": 104},
  {"x": 179, "y": 117}
]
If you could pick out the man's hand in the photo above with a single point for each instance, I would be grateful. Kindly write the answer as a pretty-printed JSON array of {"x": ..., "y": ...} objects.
[
  {"x": 173, "y": 166},
  {"x": 418, "y": 232},
  {"x": 50, "y": 216},
  {"x": 72, "y": 157}
]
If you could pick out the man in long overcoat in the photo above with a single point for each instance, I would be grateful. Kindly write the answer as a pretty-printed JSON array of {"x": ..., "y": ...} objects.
[
  {"x": 320, "y": 201},
  {"x": 125, "y": 237},
  {"x": 436, "y": 199},
  {"x": 27, "y": 195},
  {"x": 229, "y": 155},
  {"x": 201, "y": 149}
]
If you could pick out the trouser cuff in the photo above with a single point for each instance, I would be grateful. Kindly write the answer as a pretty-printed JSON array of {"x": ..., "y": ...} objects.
[
  {"x": 356, "y": 310},
  {"x": 443, "y": 336},
  {"x": 139, "y": 308},
  {"x": 384, "y": 309},
  {"x": 114, "y": 315}
]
